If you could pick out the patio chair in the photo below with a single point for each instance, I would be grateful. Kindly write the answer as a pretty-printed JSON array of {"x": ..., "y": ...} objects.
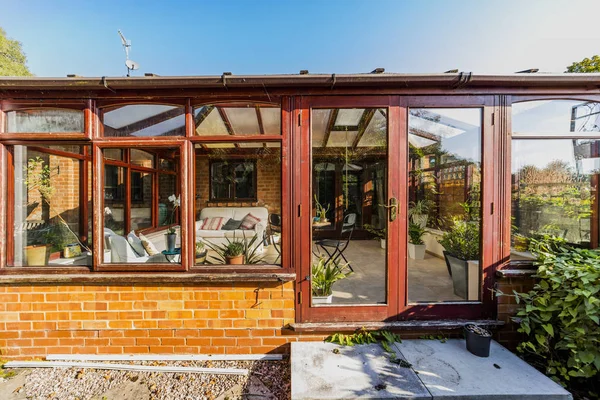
[
  {"x": 335, "y": 247},
  {"x": 275, "y": 227}
]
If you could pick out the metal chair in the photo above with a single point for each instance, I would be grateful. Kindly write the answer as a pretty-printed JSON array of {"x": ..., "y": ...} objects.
[
  {"x": 335, "y": 247},
  {"x": 275, "y": 227}
]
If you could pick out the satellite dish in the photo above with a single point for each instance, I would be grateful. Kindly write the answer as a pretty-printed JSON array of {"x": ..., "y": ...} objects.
[{"x": 132, "y": 65}]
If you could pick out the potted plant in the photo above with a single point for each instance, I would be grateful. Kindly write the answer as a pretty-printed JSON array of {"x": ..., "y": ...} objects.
[
  {"x": 379, "y": 234},
  {"x": 461, "y": 251},
  {"x": 416, "y": 246},
  {"x": 478, "y": 340},
  {"x": 323, "y": 275},
  {"x": 418, "y": 212},
  {"x": 321, "y": 211},
  {"x": 200, "y": 253},
  {"x": 234, "y": 253},
  {"x": 171, "y": 235},
  {"x": 237, "y": 251}
]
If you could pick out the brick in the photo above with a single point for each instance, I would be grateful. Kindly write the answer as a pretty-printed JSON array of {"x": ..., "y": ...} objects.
[
  {"x": 172, "y": 341},
  {"x": 154, "y": 341}
]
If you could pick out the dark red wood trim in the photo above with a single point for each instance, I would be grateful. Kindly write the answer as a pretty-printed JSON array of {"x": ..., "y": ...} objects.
[
  {"x": 238, "y": 138},
  {"x": 83, "y": 199},
  {"x": 3, "y": 203},
  {"x": 109, "y": 104},
  {"x": 397, "y": 116},
  {"x": 59, "y": 153},
  {"x": 448, "y": 101},
  {"x": 287, "y": 237},
  {"x": 55, "y": 136},
  {"x": 189, "y": 119},
  {"x": 97, "y": 206},
  {"x": 10, "y": 205},
  {"x": 88, "y": 119}
]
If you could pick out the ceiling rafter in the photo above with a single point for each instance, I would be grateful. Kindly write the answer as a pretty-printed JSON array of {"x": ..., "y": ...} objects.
[
  {"x": 198, "y": 119},
  {"x": 330, "y": 125},
  {"x": 227, "y": 123}
]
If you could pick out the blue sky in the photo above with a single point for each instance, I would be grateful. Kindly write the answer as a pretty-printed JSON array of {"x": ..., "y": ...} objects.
[{"x": 265, "y": 37}]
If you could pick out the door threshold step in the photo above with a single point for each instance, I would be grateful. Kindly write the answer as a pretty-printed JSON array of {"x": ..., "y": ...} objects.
[{"x": 445, "y": 324}]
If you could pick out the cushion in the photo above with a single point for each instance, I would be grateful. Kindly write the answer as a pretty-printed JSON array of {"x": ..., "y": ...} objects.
[
  {"x": 213, "y": 224},
  {"x": 136, "y": 244},
  {"x": 249, "y": 221},
  {"x": 231, "y": 225},
  {"x": 148, "y": 245}
]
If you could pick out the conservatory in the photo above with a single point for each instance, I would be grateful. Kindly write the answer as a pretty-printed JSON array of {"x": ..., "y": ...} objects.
[{"x": 238, "y": 213}]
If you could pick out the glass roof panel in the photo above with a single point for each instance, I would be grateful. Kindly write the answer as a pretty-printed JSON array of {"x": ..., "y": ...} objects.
[
  {"x": 144, "y": 120},
  {"x": 376, "y": 133},
  {"x": 349, "y": 116},
  {"x": 555, "y": 117},
  {"x": 271, "y": 119},
  {"x": 211, "y": 125},
  {"x": 243, "y": 120},
  {"x": 341, "y": 138}
]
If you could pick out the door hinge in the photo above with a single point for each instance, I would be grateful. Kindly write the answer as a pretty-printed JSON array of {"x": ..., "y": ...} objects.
[
  {"x": 300, "y": 118},
  {"x": 493, "y": 118},
  {"x": 299, "y": 297},
  {"x": 299, "y": 210}
]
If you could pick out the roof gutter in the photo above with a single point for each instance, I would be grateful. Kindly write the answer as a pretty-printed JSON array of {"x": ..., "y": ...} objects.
[{"x": 449, "y": 81}]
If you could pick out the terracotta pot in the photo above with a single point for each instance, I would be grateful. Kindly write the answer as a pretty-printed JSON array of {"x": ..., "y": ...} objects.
[
  {"x": 37, "y": 255},
  {"x": 237, "y": 260},
  {"x": 54, "y": 256}
]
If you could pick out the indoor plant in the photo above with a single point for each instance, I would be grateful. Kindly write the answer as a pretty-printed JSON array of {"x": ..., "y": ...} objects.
[
  {"x": 416, "y": 246},
  {"x": 323, "y": 275},
  {"x": 379, "y": 234},
  {"x": 237, "y": 251},
  {"x": 234, "y": 253},
  {"x": 461, "y": 251},
  {"x": 321, "y": 211},
  {"x": 171, "y": 235},
  {"x": 418, "y": 212}
]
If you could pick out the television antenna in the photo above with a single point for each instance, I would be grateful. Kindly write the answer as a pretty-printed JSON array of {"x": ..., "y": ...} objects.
[{"x": 131, "y": 65}]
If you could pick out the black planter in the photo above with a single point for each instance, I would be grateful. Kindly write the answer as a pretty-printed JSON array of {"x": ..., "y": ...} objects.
[
  {"x": 459, "y": 271},
  {"x": 478, "y": 344}
]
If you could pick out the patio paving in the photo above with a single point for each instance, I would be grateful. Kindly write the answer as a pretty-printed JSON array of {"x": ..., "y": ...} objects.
[{"x": 439, "y": 370}]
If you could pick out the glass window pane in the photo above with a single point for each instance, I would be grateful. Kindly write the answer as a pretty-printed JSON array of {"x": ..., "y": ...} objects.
[
  {"x": 42, "y": 120},
  {"x": 141, "y": 200},
  {"x": 144, "y": 120},
  {"x": 234, "y": 184},
  {"x": 47, "y": 210},
  {"x": 142, "y": 158},
  {"x": 349, "y": 189},
  {"x": 114, "y": 199},
  {"x": 444, "y": 205},
  {"x": 113, "y": 154},
  {"x": 554, "y": 184},
  {"x": 224, "y": 120},
  {"x": 167, "y": 187},
  {"x": 556, "y": 118}
]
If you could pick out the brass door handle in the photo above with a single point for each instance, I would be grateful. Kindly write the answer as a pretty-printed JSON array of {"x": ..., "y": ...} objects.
[{"x": 393, "y": 207}]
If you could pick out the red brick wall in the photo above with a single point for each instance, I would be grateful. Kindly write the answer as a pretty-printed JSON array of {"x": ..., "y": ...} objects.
[
  {"x": 507, "y": 308},
  {"x": 213, "y": 319}
]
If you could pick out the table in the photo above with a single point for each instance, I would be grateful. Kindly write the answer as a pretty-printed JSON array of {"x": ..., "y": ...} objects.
[{"x": 172, "y": 254}]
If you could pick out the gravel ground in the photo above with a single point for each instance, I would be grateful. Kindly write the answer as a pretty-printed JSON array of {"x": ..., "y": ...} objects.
[{"x": 84, "y": 384}]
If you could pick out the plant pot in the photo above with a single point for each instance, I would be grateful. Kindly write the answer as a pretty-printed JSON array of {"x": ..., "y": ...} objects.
[
  {"x": 420, "y": 219},
  {"x": 201, "y": 257},
  {"x": 54, "y": 256},
  {"x": 170, "y": 239},
  {"x": 236, "y": 260},
  {"x": 37, "y": 255},
  {"x": 382, "y": 243},
  {"x": 416, "y": 251},
  {"x": 478, "y": 340},
  {"x": 322, "y": 299},
  {"x": 465, "y": 276}
]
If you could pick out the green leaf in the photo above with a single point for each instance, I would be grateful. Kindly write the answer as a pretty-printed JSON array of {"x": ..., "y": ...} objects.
[{"x": 549, "y": 328}]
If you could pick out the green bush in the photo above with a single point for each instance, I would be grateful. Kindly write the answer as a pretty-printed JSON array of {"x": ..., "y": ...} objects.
[
  {"x": 561, "y": 315},
  {"x": 462, "y": 241},
  {"x": 415, "y": 233}
]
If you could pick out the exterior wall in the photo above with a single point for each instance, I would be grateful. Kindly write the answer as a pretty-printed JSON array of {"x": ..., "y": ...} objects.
[
  {"x": 212, "y": 319},
  {"x": 507, "y": 308},
  {"x": 268, "y": 187}
]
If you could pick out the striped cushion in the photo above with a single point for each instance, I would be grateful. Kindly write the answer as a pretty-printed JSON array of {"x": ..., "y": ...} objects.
[
  {"x": 249, "y": 221},
  {"x": 213, "y": 224}
]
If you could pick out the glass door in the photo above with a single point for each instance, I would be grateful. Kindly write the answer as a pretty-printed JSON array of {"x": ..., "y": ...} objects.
[{"x": 351, "y": 216}]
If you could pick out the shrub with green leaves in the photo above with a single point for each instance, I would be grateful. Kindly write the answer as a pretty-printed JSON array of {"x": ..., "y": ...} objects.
[
  {"x": 462, "y": 241},
  {"x": 415, "y": 233},
  {"x": 561, "y": 315}
]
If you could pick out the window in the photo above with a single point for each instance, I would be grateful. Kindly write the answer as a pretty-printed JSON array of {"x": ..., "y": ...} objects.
[
  {"x": 555, "y": 172},
  {"x": 241, "y": 119},
  {"x": 50, "y": 215},
  {"x": 43, "y": 120},
  {"x": 233, "y": 180},
  {"x": 139, "y": 205},
  {"x": 142, "y": 120},
  {"x": 444, "y": 211},
  {"x": 238, "y": 199}
]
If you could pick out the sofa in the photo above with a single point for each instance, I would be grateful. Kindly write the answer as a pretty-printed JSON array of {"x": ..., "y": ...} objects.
[
  {"x": 220, "y": 236},
  {"x": 122, "y": 252}
]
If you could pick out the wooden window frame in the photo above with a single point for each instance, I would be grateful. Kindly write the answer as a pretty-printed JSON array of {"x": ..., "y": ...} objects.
[{"x": 233, "y": 199}]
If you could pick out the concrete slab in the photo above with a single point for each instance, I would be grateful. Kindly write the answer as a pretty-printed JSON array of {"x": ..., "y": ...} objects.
[
  {"x": 359, "y": 372},
  {"x": 450, "y": 372}
]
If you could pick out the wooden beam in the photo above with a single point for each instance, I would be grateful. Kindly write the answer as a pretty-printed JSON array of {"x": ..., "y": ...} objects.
[
  {"x": 424, "y": 135},
  {"x": 150, "y": 121},
  {"x": 227, "y": 123},
  {"x": 260, "y": 121},
  {"x": 198, "y": 119},
  {"x": 330, "y": 126},
  {"x": 363, "y": 124}
]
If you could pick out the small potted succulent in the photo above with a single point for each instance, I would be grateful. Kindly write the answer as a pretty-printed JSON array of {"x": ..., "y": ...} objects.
[
  {"x": 416, "y": 246},
  {"x": 323, "y": 275},
  {"x": 234, "y": 253},
  {"x": 237, "y": 251},
  {"x": 478, "y": 340}
]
